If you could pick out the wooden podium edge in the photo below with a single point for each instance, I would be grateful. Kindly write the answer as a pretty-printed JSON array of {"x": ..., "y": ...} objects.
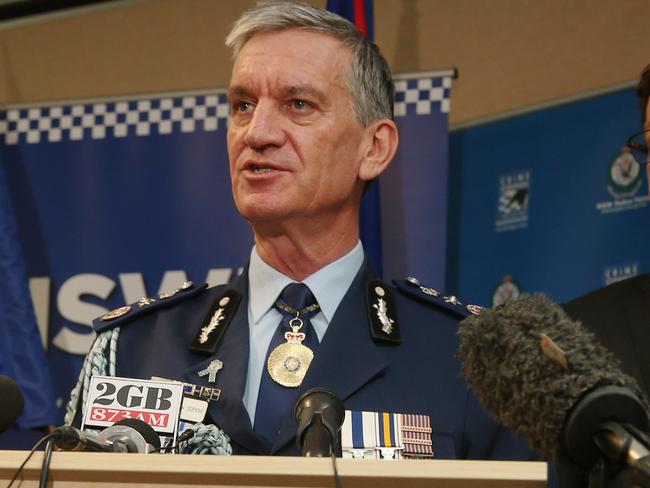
[{"x": 168, "y": 470}]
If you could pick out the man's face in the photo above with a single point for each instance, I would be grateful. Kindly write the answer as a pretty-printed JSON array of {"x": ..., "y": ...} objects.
[{"x": 294, "y": 143}]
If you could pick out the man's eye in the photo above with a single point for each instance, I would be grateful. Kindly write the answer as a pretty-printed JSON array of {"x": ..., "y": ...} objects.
[
  {"x": 301, "y": 105},
  {"x": 242, "y": 106}
]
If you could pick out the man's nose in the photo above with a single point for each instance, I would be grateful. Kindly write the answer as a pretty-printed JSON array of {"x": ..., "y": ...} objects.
[{"x": 265, "y": 127}]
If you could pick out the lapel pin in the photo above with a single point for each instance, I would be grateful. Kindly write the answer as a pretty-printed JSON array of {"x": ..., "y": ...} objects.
[{"x": 211, "y": 371}]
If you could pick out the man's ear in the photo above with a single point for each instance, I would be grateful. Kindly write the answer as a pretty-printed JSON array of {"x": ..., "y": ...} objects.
[{"x": 382, "y": 145}]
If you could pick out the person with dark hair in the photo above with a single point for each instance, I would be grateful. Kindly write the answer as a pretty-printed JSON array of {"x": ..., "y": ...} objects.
[
  {"x": 311, "y": 124},
  {"x": 643, "y": 91},
  {"x": 619, "y": 314}
]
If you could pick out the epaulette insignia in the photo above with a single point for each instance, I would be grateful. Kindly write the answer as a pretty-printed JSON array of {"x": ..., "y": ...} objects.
[
  {"x": 170, "y": 293},
  {"x": 382, "y": 313},
  {"x": 144, "y": 301},
  {"x": 475, "y": 309},
  {"x": 452, "y": 299},
  {"x": 125, "y": 314},
  {"x": 413, "y": 287},
  {"x": 216, "y": 322},
  {"x": 114, "y": 314}
]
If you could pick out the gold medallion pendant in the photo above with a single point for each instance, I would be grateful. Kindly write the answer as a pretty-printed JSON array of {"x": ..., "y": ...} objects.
[{"x": 288, "y": 363}]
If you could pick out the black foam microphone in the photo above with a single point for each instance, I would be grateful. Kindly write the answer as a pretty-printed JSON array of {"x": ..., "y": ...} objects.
[
  {"x": 127, "y": 435},
  {"x": 12, "y": 403},
  {"x": 319, "y": 414},
  {"x": 548, "y": 379}
]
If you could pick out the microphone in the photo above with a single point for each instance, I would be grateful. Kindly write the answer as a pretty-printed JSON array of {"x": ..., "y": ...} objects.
[
  {"x": 127, "y": 435},
  {"x": 69, "y": 438},
  {"x": 12, "y": 402},
  {"x": 185, "y": 436},
  {"x": 547, "y": 378},
  {"x": 319, "y": 414}
]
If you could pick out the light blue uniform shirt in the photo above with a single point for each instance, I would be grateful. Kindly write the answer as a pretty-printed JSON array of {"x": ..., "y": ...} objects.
[{"x": 328, "y": 285}]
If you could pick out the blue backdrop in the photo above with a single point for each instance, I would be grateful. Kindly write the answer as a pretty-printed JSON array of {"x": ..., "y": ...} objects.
[{"x": 548, "y": 201}]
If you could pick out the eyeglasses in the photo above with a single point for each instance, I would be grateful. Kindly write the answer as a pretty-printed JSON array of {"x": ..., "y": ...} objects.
[{"x": 638, "y": 146}]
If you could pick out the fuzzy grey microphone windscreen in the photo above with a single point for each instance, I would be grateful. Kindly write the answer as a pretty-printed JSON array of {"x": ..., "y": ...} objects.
[{"x": 529, "y": 364}]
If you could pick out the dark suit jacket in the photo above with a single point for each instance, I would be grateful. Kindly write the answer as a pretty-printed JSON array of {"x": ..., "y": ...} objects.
[
  {"x": 419, "y": 376},
  {"x": 619, "y": 316}
]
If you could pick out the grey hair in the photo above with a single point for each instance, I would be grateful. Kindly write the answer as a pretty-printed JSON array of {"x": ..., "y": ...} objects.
[{"x": 369, "y": 78}]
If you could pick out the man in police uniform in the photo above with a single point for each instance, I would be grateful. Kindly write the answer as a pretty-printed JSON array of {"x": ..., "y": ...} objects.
[{"x": 311, "y": 125}]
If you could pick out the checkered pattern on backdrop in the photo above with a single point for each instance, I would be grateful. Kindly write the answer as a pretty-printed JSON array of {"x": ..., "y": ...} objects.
[
  {"x": 167, "y": 115},
  {"x": 422, "y": 95}
]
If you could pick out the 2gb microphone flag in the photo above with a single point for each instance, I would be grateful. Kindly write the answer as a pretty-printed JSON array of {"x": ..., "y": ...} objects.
[
  {"x": 117, "y": 199},
  {"x": 112, "y": 399}
]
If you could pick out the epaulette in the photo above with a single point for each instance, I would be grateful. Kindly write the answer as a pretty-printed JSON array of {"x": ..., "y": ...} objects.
[
  {"x": 382, "y": 313},
  {"x": 412, "y": 287},
  {"x": 145, "y": 305}
]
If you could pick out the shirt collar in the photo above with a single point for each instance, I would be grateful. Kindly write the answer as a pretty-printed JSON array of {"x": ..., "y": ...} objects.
[
  {"x": 265, "y": 284},
  {"x": 328, "y": 284}
]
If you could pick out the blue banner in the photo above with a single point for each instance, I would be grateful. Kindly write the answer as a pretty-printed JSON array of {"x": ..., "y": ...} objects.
[
  {"x": 119, "y": 199},
  {"x": 550, "y": 201},
  {"x": 21, "y": 354},
  {"x": 361, "y": 14},
  {"x": 414, "y": 188}
]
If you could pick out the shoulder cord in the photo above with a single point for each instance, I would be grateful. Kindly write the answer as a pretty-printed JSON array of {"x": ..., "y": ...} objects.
[
  {"x": 95, "y": 363},
  {"x": 208, "y": 439}
]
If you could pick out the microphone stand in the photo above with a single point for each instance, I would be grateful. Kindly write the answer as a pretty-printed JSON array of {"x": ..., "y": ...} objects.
[
  {"x": 625, "y": 460},
  {"x": 319, "y": 414},
  {"x": 605, "y": 435},
  {"x": 317, "y": 440}
]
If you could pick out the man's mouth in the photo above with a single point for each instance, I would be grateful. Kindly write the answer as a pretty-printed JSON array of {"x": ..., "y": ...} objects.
[{"x": 260, "y": 169}]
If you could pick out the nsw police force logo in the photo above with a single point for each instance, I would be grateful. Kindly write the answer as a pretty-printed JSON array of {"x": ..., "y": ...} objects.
[
  {"x": 624, "y": 180},
  {"x": 512, "y": 206},
  {"x": 624, "y": 175},
  {"x": 506, "y": 291}
]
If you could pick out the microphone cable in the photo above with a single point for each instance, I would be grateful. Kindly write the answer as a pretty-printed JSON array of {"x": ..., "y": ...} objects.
[
  {"x": 336, "y": 447},
  {"x": 47, "y": 456},
  {"x": 29, "y": 456},
  {"x": 45, "y": 467},
  {"x": 337, "y": 478}
]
